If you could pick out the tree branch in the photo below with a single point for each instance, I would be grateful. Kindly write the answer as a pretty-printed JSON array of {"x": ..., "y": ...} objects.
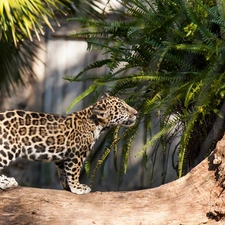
[{"x": 184, "y": 201}]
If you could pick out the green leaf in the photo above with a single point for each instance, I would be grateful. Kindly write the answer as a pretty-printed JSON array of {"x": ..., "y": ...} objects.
[{"x": 88, "y": 91}]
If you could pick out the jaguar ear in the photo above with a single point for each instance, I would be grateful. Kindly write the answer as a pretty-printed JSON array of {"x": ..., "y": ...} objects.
[
  {"x": 100, "y": 114},
  {"x": 105, "y": 94}
]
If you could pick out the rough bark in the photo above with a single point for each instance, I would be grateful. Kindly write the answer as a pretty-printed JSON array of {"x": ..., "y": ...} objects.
[{"x": 196, "y": 198}]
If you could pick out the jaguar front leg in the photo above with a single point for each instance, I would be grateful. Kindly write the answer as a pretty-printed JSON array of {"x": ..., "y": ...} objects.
[{"x": 72, "y": 168}]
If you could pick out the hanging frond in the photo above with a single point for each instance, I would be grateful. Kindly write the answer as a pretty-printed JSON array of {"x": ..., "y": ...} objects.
[
  {"x": 88, "y": 91},
  {"x": 94, "y": 65}
]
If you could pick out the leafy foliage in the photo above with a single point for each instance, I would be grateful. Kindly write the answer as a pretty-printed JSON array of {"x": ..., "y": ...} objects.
[
  {"x": 21, "y": 18},
  {"x": 22, "y": 22},
  {"x": 15, "y": 66},
  {"x": 167, "y": 59}
]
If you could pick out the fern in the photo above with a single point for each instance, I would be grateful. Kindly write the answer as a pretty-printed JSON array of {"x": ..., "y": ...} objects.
[
  {"x": 167, "y": 60},
  {"x": 94, "y": 65},
  {"x": 99, "y": 163},
  {"x": 88, "y": 91}
]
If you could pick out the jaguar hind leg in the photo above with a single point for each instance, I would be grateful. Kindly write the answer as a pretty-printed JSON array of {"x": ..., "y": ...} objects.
[
  {"x": 62, "y": 175},
  {"x": 6, "y": 182}
]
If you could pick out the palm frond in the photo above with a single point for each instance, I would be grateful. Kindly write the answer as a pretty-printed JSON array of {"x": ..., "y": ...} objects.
[
  {"x": 21, "y": 22},
  {"x": 15, "y": 66},
  {"x": 19, "y": 19}
]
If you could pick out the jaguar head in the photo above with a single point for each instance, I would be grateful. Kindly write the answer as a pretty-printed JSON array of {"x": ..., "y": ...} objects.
[{"x": 114, "y": 111}]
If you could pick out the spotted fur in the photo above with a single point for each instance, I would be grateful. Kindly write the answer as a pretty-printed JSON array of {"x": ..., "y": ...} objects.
[{"x": 65, "y": 140}]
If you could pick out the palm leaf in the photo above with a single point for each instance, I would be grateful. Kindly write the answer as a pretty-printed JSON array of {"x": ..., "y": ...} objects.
[{"x": 22, "y": 18}]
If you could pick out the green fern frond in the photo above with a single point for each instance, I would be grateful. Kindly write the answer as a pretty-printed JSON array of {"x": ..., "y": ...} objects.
[
  {"x": 149, "y": 104},
  {"x": 205, "y": 32},
  {"x": 112, "y": 143},
  {"x": 84, "y": 94},
  {"x": 97, "y": 64},
  {"x": 115, "y": 151},
  {"x": 124, "y": 85},
  {"x": 184, "y": 140},
  {"x": 99, "y": 163},
  {"x": 156, "y": 137},
  {"x": 127, "y": 141}
]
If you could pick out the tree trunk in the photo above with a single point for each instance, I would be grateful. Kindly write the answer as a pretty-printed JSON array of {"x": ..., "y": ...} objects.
[{"x": 196, "y": 198}]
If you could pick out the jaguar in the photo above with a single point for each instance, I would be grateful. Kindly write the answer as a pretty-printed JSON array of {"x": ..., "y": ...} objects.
[{"x": 65, "y": 140}]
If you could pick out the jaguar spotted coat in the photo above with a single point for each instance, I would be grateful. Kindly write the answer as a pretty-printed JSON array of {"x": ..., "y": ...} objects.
[{"x": 65, "y": 140}]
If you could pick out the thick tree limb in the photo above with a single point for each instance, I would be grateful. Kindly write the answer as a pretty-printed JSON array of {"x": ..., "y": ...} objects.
[{"x": 196, "y": 198}]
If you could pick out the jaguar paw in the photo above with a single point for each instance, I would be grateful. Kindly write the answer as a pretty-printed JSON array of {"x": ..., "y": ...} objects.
[
  {"x": 80, "y": 189},
  {"x": 7, "y": 182}
]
